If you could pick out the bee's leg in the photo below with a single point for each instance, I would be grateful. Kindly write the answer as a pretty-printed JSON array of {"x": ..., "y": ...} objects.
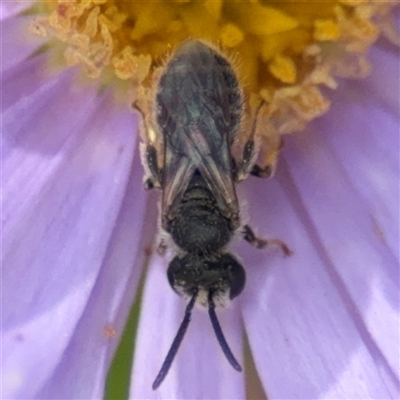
[
  {"x": 250, "y": 236},
  {"x": 150, "y": 159},
  {"x": 148, "y": 154},
  {"x": 261, "y": 172},
  {"x": 266, "y": 171},
  {"x": 246, "y": 166},
  {"x": 162, "y": 248},
  {"x": 235, "y": 169}
]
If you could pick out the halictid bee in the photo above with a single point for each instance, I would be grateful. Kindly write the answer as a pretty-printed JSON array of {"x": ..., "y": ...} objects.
[{"x": 198, "y": 111}]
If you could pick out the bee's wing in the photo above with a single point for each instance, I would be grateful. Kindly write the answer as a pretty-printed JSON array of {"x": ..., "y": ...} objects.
[
  {"x": 204, "y": 147},
  {"x": 199, "y": 106}
]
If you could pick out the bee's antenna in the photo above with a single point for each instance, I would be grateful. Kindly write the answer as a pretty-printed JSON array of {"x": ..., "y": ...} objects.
[
  {"x": 220, "y": 336},
  {"x": 175, "y": 344}
]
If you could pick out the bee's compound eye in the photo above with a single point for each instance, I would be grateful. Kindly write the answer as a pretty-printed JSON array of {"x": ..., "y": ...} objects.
[
  {"x": 183, "y": 274},
  {"x": 236, "y": 274},
  {"x": 174, "y": 268}
]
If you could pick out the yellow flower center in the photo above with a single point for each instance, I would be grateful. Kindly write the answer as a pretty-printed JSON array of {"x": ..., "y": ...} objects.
[{"x": 285, "y": 50}]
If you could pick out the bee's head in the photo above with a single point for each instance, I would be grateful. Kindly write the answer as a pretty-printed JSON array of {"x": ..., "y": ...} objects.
[
  {"x": 206, "y": 279},
  {"x": 219, "y": 274}
]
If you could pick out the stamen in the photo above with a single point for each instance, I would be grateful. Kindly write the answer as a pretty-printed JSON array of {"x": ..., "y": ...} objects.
[{"x": 287, "y": 50}]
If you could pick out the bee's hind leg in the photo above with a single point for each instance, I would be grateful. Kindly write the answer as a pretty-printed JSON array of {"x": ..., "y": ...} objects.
[{"x": 250, "y": 236}]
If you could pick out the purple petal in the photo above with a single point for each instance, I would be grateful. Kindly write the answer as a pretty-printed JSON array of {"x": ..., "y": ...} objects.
[
  {"x": 11, "y": 8},
  {"x": 305, "y": 342},
  {"x": 90, "y": 351},
  {"x": 36, "y": 131},
  {"x": 21, "y": 81},
  {"x": 331, "y": 311},
  {"x": 200, "y": 369},
  {"x": 366, "y": 151},
  {"x": 18, "y": 42},
  {"x": 65, "y": 169},
  {"x": 383, "y": 84}
]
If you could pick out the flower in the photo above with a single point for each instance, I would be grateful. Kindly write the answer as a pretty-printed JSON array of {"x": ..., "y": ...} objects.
[
  {"x": 322, "y": 323},
  {"x": 76, "y": 223}
]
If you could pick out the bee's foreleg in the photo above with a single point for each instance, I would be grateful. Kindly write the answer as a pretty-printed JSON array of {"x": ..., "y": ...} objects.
[
  {"x": 261, "y": 172},
  {"x": 148, "y": 154},
  {"x": 250, "y": 236},
  {"x": 162, "y": 247},
  {"x": 153, "y": 178},
  {"x": 246, "y": 166}
]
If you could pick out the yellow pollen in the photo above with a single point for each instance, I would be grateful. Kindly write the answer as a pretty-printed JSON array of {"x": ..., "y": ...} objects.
[
  {"x": 231, "y": 36},
  {"x": 326, "y": 30},
  {"x": 285, "y": 50},
  {"x": 284, "y": 69}
]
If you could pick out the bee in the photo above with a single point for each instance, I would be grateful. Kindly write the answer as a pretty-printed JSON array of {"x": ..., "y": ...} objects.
[{"x": 198, "y": 112}]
